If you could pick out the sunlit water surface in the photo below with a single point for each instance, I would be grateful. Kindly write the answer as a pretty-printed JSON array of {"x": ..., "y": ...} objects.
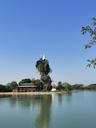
[{"x": 74, "y": 110}]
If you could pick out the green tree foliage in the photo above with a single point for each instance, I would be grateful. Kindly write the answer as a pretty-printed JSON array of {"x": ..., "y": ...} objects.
[
  {"x": 27, "y": 80},
  {"x": 91, "y": 29},
  {"x": 60, "y": 83},
  {"x": 2, "y": 88},
  {"x": 64, "y": 86},
  {"x": 46, "y": 79},
  {"x": 43, "y": 67},
  {"x": 60, "y": 86},
  {"x": 77, "y": 86},
  {"x": 33, "y": 80},
  {"x": 67, "y": 86},
  {"x": 91, "y": 87},
  {"x": 11, "y": 86},
  {"x": 38, "y": 83}
]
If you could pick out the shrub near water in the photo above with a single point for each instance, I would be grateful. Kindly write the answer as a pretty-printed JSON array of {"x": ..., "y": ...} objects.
[{"x": 64, "y": 86}]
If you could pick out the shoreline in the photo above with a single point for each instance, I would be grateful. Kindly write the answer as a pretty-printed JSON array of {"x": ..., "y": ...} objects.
[{"x": 31, "y": 93}]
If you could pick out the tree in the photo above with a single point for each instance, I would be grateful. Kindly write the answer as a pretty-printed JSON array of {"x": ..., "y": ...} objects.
[
  {"x": 77, "y": 86},
  {"x": 64, "y": 86},
  {"x": 43, "y": 67},
  {"x": 67, "y": 86},
  {"x": 39, "y": 84},
  {"x": 11, "y": 86},
  {"x": 91, "y": 29},
  {"x": 27, "y": 80},
  {"x": 59, "y": 83},
  {"x": 2, "y": 88},
  {"x": 60, "y": 86}
]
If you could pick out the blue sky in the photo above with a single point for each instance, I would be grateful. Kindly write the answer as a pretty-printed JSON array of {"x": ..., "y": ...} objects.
[{"x": 31, "y": 28}]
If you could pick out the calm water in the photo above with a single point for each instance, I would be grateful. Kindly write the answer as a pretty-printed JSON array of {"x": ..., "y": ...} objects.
[{"x": 76, "y": 110}]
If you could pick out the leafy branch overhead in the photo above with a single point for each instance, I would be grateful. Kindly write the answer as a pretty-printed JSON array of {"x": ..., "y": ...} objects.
[
  {"x": 92, "y": 63},
  {"x": 91, "y": 29}
]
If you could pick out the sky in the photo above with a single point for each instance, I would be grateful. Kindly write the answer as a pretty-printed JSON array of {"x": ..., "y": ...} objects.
[{"x": 31, "y": 28}]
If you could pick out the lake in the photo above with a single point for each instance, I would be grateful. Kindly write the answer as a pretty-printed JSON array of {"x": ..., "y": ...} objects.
[{"x": 74, "y": 110}]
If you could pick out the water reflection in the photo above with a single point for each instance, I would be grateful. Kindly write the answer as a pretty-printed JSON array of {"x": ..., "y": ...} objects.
[
  {"x": 69, "y": 97},
  {"x": 61, "y": 98},
  {"x": 42, "y": 103},
  {"x": 10, "y": 99},
  {"x": 43, "y": 117},
  {"x": 64, "y": 111}
]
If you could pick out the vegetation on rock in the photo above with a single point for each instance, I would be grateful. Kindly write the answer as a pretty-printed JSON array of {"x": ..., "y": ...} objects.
[{"x": 44, "y": 69}]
